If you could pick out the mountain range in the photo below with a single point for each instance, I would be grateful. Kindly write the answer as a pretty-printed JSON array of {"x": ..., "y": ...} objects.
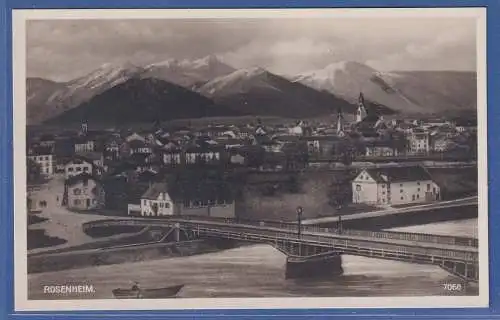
[
  {"x": 143, "y": 100},
  {"x": 404, "y": 92},
  {"x": 208, "y": 87}
]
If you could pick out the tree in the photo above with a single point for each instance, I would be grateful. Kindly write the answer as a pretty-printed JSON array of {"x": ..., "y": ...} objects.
[
  {"x": 345, "y": 151},
  {"x": 34, "y": 171},
  {"x": 339, "y": 190}
]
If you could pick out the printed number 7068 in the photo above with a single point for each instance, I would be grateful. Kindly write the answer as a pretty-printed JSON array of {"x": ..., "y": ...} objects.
[{"x": 452, "y": 286}]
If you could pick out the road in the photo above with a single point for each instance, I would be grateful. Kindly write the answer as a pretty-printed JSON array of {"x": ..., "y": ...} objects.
[
  {"x": 386, "y": 212},
  {"x": 61, "y": 223}
]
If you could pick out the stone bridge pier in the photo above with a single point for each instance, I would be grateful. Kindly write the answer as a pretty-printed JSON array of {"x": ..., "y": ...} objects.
[{"x": 305, "y": 261}]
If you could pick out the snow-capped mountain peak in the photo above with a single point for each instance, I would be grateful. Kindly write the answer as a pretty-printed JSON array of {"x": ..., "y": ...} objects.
[
  {"x": 237, "y": 81},
  {"x": 206, "y": 61}
]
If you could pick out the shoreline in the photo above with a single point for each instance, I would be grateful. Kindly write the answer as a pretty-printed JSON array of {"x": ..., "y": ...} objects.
[{"x": 40, "y": 263}]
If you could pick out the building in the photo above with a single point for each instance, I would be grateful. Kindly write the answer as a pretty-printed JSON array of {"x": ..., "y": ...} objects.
[
  {"x": 419, "y": 142},
  {"x": 44, "y": 158},
  {"x": 84, "y": 144},
  {"x": 112, "y": 149},
  {"x": 156, "y": 201},
  {"x": 381, "y": 148},
  {"x": 139, "y": 147},
  {"x": 297, "y": 129},
  {"x": 466, "y": 125},
  {"x": 47, "y": 140},
  {"x": 83, "y": 192},
  {"x": 188, "y": 199},
  {"x": 394, "y": 185},
  {"x": 172, "y": 157},
  {"x": 441, "y": 142},
  {"x": 325, "y": 145},
  {"x": 361, "y": 112},
  {"x": 340, "y": 124},
  {"x": 202, "y": 155},
  {"x": 76, "y": 166}
]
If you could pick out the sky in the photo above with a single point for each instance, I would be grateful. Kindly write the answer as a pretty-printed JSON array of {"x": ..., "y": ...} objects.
[{"x": 62, "y": 50}]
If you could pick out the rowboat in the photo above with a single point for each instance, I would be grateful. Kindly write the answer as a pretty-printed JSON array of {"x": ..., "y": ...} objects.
[{"x": 157, "y": 293}]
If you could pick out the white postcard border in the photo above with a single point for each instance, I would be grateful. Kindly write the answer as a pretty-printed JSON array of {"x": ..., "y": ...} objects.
[{"x": 22, "y": 303}]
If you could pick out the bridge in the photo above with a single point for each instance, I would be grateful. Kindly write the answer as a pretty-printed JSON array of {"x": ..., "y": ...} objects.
[{"x": 316, "y": 251}]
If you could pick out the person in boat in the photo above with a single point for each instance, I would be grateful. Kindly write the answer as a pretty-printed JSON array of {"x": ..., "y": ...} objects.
[{"x": 135, "y": 287}]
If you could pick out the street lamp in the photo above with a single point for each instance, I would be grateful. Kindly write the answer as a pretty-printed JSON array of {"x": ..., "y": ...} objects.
[{"x": 299, "y": 220}]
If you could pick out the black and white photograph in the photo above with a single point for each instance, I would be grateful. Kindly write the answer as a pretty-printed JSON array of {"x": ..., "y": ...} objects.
[{"x": 179, "y": 159}]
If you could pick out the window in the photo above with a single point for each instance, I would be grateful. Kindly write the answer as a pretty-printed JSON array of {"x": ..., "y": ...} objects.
[
  {"x": 401, "y": 191},
  {"x": 428, "y": 187},
  {"x": 78, "y": 169},
  {"x": 383, "y": 192},
  {"x": 358, "y": 187},
  {"x": 77, "y": 191},
  {"x": 70, "y": 169},
  {"x": 400, "y": 184},
  {"x": 161, "y": 205},
  {"x": 418, "y": 183},
  {"x": 401, "y": 198},
  {"x": 413, "y": 197},
  {"x": 383, "y": 186},
  {"x": 85, "y": 169},
  {"x": 167, "y": 205},
  {"x": 418, "y": 196},
  {"x": 418, "y": 189},
  {"x": 76, "y": 202}
]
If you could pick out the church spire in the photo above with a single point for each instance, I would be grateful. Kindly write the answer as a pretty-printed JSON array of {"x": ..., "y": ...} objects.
[
  {"x": 340, "y": 122},
  {"x": 361, "y": 113},
  {"x": 84, "y": 127}
]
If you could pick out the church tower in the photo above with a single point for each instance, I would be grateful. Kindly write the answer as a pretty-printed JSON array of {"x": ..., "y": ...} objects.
[
  {"x": 361, "y": 113},
  {"x": 340, "y": 123},
  {"x": 85, "y": 127}
]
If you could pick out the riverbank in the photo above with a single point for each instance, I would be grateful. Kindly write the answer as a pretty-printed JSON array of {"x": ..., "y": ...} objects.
[{"x": 123, "y": 254}]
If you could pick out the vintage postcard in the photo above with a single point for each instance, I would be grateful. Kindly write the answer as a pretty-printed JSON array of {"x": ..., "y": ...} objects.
[{"x": 201, "y": 159}]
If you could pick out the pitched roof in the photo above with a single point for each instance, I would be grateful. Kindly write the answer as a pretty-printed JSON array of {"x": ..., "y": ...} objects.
[
  {"x": 399, "y": 174},
  {"x": 40, "y": 151},
  {"x": 155, "y": 189},
  {"x": 92, "y": 156},
  {"x": 80, "y": 177},
  {"x": 134, "y": 144},
  {"x": 78, "y": 158}
]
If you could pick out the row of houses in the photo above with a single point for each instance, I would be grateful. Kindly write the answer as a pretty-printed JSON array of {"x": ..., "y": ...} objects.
[
  {"x": 86, "y": 191},
  {"x": 374, "y": 186}
]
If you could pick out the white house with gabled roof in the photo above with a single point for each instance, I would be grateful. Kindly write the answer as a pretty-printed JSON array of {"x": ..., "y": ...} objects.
[
  {"x": 394, "y": 185},
  {"x": 156, "y": 201}
]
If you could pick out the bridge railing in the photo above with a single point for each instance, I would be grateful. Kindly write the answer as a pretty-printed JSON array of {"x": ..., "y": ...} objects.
[
  {"x": 293, "y": 227},
  {"x": 350, "y": 246},
  {"x": 393, "y": 235}
]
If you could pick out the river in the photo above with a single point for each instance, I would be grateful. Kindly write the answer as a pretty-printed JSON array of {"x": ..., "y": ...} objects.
[{"x": 258, "y": 271}]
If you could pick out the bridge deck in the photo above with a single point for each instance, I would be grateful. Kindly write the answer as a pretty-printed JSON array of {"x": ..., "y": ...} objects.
[{"x": 362, "y": 245}]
